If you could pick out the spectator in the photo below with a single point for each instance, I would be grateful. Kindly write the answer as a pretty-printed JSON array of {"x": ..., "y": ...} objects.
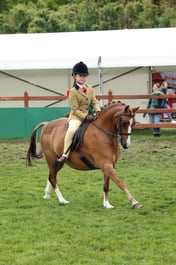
[
  {"x": 155, "y": 103},
  {"x": 163, "y": 88}
]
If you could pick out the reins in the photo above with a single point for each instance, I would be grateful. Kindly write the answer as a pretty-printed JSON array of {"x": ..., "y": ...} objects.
[
  {"x": 104, "y": 131},
  {"x": 118, "y": 127}
]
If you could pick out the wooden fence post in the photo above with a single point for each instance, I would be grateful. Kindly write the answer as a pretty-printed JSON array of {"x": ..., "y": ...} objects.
[
  {"x": 110, "y": 96},
  {"x": 26, "y": 99}
]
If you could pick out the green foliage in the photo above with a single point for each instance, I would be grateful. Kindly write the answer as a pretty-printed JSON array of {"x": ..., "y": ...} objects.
[
  {"x": 72, "y": 15},
  {"x": 18, "y": 19},
  {"x": 36, "y": 231}
]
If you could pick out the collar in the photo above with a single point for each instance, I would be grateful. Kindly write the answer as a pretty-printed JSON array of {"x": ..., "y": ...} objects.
[{"x": 77, "y": 86}]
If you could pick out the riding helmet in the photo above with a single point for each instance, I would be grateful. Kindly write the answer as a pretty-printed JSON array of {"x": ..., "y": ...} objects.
[{"x": 80, "y": 68}]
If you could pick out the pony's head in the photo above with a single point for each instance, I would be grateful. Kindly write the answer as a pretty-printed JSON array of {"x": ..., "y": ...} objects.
[
  {"x": 117, "y": 119},
  {"x": 125, "y": 122}
]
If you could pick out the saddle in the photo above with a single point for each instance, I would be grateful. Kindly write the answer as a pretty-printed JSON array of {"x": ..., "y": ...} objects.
[
  {"x": 78, "y": 136},
  {"x": 77, "y": 141}
]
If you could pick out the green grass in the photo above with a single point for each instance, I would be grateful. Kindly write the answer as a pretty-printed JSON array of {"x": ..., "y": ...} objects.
[{"x": 34, "y": 231}]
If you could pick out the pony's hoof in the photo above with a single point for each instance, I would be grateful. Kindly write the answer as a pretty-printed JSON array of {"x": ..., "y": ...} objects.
[
  {"x": 46, "y": 197},
  {"x": 107, "y": 205},
  {"x": 136, "y": 205},
  {"x": 64, "y": 202}
]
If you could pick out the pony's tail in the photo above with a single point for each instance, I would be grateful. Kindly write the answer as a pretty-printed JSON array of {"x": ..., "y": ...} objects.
[{"x": 32, "y": 152}]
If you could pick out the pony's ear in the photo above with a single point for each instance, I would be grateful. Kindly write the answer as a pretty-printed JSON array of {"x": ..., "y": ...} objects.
[
  {"x": 135, "y": 109},
  {"x": 126, "y": 108}
]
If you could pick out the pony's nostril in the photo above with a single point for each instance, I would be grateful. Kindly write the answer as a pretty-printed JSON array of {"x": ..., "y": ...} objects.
[{"x": 125, "y": 146}]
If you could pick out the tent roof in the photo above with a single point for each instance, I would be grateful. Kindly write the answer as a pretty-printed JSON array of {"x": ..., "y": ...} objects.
[{"x": 117, "y": 48}]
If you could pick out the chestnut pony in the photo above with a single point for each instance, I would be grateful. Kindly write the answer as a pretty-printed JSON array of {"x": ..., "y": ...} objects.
[{"x": 99, "y": 149}]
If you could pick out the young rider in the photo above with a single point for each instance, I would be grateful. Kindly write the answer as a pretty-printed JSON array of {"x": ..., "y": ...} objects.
[{"x": 81, "y": 97}]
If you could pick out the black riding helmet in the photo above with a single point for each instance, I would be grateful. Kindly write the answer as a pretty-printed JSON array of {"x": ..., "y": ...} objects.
[{"x": 80, "y": 68}]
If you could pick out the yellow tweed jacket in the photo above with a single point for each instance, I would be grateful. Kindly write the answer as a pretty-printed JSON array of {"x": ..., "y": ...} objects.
[{"x": 79, "y": 103}]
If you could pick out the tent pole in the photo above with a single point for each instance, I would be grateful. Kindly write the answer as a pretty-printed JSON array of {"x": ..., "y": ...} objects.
[
  {"x": 150, "y": 79},
  {"x": 100, "y": 77}
]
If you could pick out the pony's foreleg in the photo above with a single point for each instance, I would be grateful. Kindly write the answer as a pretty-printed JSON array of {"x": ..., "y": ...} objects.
[
  {"x": 109, "y": 170},
  {"x": 47, "y": 190},
  {"x": 106, "y": 190}
]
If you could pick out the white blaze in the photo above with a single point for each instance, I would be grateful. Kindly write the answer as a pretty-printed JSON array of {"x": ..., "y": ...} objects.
[{"x": 129, "y": 131}]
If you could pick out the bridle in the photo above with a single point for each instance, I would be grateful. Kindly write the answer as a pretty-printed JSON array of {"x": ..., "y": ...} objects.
[
  {"x": 120, "y": 123},
  {"x": 119, "y": 127}
]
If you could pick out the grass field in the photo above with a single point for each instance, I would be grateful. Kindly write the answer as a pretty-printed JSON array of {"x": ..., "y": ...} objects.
[{"x": 34, "y": 231}]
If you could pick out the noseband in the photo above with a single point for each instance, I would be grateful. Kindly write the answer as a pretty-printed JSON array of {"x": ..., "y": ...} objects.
[{"x": 119, "y": 127}]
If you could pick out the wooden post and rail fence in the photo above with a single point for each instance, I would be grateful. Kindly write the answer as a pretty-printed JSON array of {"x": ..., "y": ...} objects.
[{"x": 26, "y": 98}]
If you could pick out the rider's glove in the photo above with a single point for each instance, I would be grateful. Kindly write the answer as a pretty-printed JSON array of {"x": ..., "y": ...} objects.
[{"x": 90, "y": 117}]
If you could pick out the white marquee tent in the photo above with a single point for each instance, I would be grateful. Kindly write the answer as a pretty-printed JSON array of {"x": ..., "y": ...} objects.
[
  {"x": 117, "y": 48},
  {"x": 121, "y": 60}
]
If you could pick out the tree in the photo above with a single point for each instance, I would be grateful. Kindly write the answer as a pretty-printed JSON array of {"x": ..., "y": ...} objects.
[
  {"x": 18, "y": 19},
  {"x": 84, "y": 15}
]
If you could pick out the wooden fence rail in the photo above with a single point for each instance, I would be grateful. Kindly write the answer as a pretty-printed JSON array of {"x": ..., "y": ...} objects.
[{"x": 109, "y": 97}]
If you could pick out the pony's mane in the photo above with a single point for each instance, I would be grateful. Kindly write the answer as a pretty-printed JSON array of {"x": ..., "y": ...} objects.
[{"x": 113, "y": 103}]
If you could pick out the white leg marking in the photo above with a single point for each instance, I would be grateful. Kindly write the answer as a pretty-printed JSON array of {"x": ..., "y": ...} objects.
[
  {"x": 60, "y": 197},
  {"x": 47, "y": 190},
  {"x": 106, "y": 204}
]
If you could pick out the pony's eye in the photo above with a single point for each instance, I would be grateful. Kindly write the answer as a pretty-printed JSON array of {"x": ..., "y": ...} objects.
[{"x": 125, "y": 123}]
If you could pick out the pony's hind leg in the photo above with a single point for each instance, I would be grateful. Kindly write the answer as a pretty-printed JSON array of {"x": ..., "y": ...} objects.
[
  {"x": 52, "y": 182},
  {"x": 47, "y": 190},
  {"x": 106, "y": 190}
]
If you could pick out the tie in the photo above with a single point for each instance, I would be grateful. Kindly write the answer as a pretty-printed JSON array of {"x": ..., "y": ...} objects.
[{"x": 84, "y": 89}]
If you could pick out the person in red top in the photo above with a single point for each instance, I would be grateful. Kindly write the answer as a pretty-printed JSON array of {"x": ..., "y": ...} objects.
[
  {"x": 81, "y": 96},
  {"x": 163, "y": 88}
]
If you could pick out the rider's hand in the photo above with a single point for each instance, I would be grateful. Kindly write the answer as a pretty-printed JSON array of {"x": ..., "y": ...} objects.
[
  {"x": 97, "y": 113},
  {"x": 90, "y": 117}
]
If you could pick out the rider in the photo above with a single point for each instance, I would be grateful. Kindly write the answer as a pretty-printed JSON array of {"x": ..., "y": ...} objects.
[{"x": 81, "y": 97}]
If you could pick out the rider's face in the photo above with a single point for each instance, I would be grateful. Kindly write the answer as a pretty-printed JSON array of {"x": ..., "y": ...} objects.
[{"x": 80, "y": 79}]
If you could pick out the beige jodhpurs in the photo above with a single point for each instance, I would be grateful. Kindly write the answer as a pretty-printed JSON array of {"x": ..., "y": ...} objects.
[{"x": 73, "y": 126}]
